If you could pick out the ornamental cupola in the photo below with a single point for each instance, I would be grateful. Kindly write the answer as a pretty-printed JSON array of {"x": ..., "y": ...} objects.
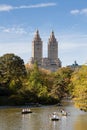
[
  {"x": 52, "y": 38},
  {"x": 37, "y": 37}
]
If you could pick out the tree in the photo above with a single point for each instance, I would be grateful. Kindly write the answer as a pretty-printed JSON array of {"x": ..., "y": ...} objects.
[
  {"x": 61, "y": 82},
  {"x": 36, "y": 84},
  {"x": 12, "y": 71},
  {"x": 79, "y": 82}
]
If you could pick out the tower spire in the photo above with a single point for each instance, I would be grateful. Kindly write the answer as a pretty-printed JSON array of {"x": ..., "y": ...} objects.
[
  {"x": 52, "y": 38},
  {"x": 51, "y": 62},
  {"x": 37, "y": 48},
  {"x": 52, "y": 47},
  {"x": 37, "y": 36}
]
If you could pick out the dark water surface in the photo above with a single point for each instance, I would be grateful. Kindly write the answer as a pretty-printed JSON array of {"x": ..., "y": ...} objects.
[{"x": 12, "y": 119}]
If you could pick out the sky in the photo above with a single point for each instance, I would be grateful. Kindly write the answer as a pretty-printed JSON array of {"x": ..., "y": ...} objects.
[{"x": 19, "y": 20}]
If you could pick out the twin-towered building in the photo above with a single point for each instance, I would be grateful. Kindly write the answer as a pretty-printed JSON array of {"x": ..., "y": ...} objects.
[{"x": 52, "y": 62}]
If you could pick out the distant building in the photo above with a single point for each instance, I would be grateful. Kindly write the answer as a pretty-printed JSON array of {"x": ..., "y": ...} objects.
[
  {"x": 52, "y": 62},
  {"x": 74, "y": 65}
]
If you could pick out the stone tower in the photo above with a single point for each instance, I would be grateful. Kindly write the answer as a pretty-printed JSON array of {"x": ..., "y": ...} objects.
[
  {"x": 52, "y": 47},
  {"x": 37, "y": 48},
  {"x": 52, "y": 62}
]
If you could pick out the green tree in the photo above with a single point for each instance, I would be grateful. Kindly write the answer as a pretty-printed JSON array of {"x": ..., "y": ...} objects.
[
  {"x": 12, "y": 71},
  {"x": 61, "y": 82},
  {"x": 36, "y": 85}
]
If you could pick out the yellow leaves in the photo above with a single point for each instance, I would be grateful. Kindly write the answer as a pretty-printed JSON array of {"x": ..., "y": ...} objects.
[{"x": 79, "y": 80}]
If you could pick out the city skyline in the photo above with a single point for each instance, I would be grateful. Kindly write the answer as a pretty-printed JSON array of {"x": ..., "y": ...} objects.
[{"x": 20, "y": 19}]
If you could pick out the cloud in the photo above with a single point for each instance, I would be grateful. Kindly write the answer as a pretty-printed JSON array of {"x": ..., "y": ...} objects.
[
  {"x": 76, "y": 11},
  {"x": 14, "y": 30},
  {"x": 5, "y": 7},
  {"x": 9, "y": 7},
  {"x": 84, "y": 11},
  {"x": 37, "y": 5}
]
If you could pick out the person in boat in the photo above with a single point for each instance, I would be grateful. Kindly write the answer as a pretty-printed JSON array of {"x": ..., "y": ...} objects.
[
  {"x": 29, "y": 110},
  {"x": 54, "y": 115},
  {"x": 63, "y": 112},
  {"x": 23, "y": 110}
]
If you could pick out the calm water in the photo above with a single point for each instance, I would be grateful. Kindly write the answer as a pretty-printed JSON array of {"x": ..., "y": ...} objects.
[{"x": 12, "y": 119}]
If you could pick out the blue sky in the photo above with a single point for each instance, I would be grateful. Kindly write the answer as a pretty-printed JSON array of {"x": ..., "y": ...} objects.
[{"x": 19, "y": 20}]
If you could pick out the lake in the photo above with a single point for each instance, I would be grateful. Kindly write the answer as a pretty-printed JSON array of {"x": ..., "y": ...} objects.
[{"x": 12, "y": 119}]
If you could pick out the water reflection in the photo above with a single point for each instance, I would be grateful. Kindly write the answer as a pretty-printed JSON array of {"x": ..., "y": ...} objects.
[
  {"x": 81, "y": 122},
  {"x": 9, "y": 120},
  {"x": 12, "y": 119}
]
